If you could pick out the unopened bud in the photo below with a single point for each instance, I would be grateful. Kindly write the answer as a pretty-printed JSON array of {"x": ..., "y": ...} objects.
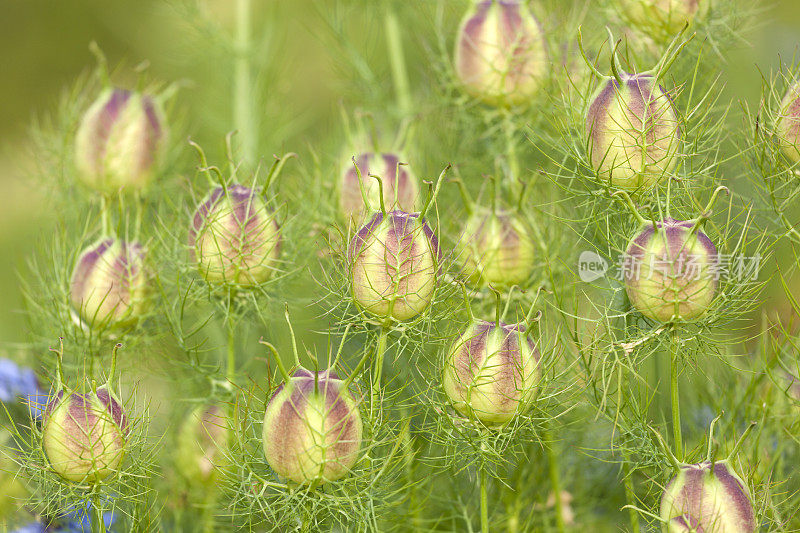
[{"x": 788, "y": 124}]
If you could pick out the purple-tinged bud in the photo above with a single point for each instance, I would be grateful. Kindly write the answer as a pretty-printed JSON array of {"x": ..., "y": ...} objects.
[
  {"x": 788, "y": 124},
  {"x": 632, "y": 131},
  {"x": 491, "y": 372},
  {"x": 496, "y": 249},
  {"x": 661, "y": 19},
  {"x": 400, "y": 187},
  {"x": 394, "y": 263},
  {"x": 707, "y": 497},
  {"x": 501, "y": 53},
  {"x": 312, "y": 428},
  {"x": 119, "y": 141},
  {"x": 84, "y": 435},
  {"x": 110, "y": 284},
  {"x": 203, "y": 443},
  {"x": 671, "y": 271},
  {"x": 235, "y": 238}
]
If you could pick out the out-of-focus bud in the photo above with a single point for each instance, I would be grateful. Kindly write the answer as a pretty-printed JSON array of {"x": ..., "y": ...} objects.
[
  {"x": 84, "y": 435},
  {"x": 707, "y": 497},
  {"x": 235, "y": 238},
  {"x": 661, "y": 19},
  {"x": 491, "y": 372},
  {"x": 400, "y": 187},
  {"x": 501, "y": 53},
  {"x": 670, "y": 271},
  {"x": 119, "y": 141},
  {"x": 394, "y": 262},
  {"x": 202, "y": 444},
  {"x": 632, "y": 131},
  {"x": 110, "y": 284},
  {"x": 312, "y": 428},
  {"x": 788, "y": 124},
  {"x": 496, "y": 249}
]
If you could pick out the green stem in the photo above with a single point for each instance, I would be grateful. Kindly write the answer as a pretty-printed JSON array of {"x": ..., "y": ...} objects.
[
  {"x": 555, "y": 481},
  {"x": 98, "y": 526},
  {"x": 674, "y": 393},
  {"x": 380, "y": 352},
  {"x": 231, "y": 367},
  {"x": 484, "y": 502},
  {"x": 397, "y": 61},
  {"x": 630, "y": 495},
  {"x": 243, "y": 108},
  {"x": 209, "y": 524},
  {"x": 511, "y": 153}
]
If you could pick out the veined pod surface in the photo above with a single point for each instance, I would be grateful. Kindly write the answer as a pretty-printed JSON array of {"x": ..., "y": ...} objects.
[
  {"x": 707, "y": 497},
  {"x": 661, "y": 19},
  {"x": 312, "y": 428},
  {"x": 632, "y": 131},
  {"x": 670, "y": 271},
  {"x": 110, "y": 284},
  {"x": 400, "y": 187},
  {"x": 202, "y": 443},
  {"x": 788, "y": 124},
  {"x": 119, "y": 141},
  {"x": 491, "y": 372},
  {"x": 234, "y": 237},
  {"x": 84, "y": 435},
  {"x": 394, "y": 262},
  {"x": 501, "y": 53},
  {"x": 496, "y": 249}
]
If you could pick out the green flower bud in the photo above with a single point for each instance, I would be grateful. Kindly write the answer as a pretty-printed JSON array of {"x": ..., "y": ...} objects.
[
  {"x": 394, "y": 262},
  {"x": 400, "y": 187},
  {"x": 119, "y": 141},
  {"x": 496, "y": 249},
  {"x": 202, "y": 444},
  {"x": 661, "y": 19},
  {"x": 84, "y": 435},
  {"x": 707, "y": 497},
  {"x": 312, "y": 428},
  {"x": 788, "y": 124},
  {"x": 501, "y": 53},
  {"x": 491, "y": 372},
  {"x": 632, "y": 131},
  {"x": 110, "y": 284},
  {"x": 234, "y": 238},
  {"x": 670, "y": 271}
]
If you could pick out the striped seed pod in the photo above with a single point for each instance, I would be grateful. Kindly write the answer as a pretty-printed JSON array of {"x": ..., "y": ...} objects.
[
  {"x": 312, "y": 428},
  {"x": 671, "y": 271},
  {"x": 788, "y": 124},
  {"x": 632, "y": 132},
  {"x": 501, "y": 53},
  {"x": 393, "y": 263},
  {"x": 400, "y": 186},
  {"x": 707, "y": 497},
  {"x": 202, "y": 444},
  {"x": 491, "y": 372},
  {"x": 110, "y": 284},
  {"x": 661, "y": 19},
  {"x": 119, "y": 141},
  {"x": 234, "y": 238}
]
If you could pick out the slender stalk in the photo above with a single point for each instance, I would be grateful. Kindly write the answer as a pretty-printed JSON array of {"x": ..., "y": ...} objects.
[
  {"x": 630, "y": 495},
  {"x": 674, "y": 394},
  {"x": 555, "y": 480},
  {"x": 243, "y": 108},
  {"x": 484, "y": 501},
  {"x": 230, "y": 324},
  {"x": 209, "y": 524},
  {"x": 98, "y": 526},
  {"x": 511, "y": 152},
  {"x": 397, "y": 61},
  {"x": 380, "y": 352}
]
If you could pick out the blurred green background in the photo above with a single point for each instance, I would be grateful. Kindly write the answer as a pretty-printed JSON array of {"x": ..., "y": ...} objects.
[{"x": 44, "y": 47}]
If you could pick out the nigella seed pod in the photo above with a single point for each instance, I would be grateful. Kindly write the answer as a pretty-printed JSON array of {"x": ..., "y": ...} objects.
[
  {"x": 393, "y": 263},
  {"x": 670, "y": 270},
  {"x": 491, "y": 372},
  {"x": 632, "y": 132},
  {"x": 501, "y": 53},
  {"x": 203, "y": 443},
  {"x": 110, "y": 284},
  {"x": 235, "y": 238},
  {"x": 788, "y": 124},
  {"x": 119, "y": 141},
  {"x": 661, "y": 19},
  {"x": 707, "y": 497},
  {"x": 496, "y": 249},
  {"x": 312, "y": 428},
  {"x": 400, "y": 187},
  {"x": 84, "y": 435}
]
